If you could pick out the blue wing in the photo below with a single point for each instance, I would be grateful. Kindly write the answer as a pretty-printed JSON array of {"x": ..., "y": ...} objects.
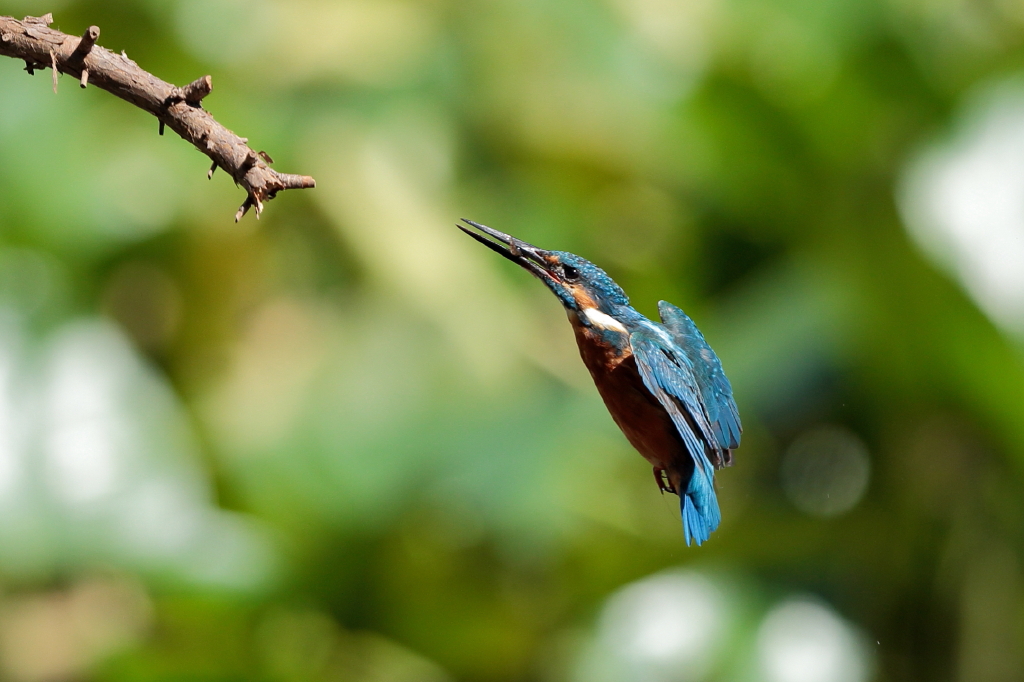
[
  {"x": 668, "y": 374},
  {"x": 714, "y": 386}
]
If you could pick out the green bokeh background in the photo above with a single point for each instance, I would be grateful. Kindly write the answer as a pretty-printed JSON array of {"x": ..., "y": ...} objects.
[{"x": 346, "y": 443}]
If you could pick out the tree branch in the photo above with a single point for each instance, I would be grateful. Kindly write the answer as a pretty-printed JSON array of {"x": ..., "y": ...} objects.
[{"x": 180, "y": 109}]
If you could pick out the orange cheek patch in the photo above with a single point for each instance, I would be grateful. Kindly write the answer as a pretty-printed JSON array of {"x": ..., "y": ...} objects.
[{"x": 582, "y": 297}]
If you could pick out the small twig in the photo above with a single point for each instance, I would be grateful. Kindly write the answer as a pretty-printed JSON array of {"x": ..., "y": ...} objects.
[
  {"x": 243, "y": 209},
  {"x": 87, "y": 41},
  {"x": 40, "y": 47}
]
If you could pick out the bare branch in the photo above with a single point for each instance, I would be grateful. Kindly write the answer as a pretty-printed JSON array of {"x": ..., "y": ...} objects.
[{"x": 180, "y": 109}]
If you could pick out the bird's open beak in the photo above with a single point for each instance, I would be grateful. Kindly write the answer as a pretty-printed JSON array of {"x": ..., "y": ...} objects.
[{"x": 525, "y": 255}]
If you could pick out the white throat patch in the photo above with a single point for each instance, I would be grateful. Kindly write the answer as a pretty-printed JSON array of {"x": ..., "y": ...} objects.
[{"x": 603, "y": 321}]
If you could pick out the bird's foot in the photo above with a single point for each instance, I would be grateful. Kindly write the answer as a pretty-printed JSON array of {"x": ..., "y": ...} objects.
[{"x": 664, "y": 483}]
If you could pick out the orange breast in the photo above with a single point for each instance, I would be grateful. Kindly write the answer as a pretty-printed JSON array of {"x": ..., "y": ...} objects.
[{"x": 642, "y": 419}]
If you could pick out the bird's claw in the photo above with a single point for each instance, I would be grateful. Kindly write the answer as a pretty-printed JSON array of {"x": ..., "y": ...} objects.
[{"x": 664, "y": 483}]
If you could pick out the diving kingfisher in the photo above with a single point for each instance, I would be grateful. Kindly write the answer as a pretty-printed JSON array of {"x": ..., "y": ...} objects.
[{"x": 662, "y": 383}]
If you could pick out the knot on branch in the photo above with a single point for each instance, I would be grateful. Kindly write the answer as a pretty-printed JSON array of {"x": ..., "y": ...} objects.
[
  {"x": 44, "y": 20},
  {"x": 193, "y": 93},
  {"x": 249, "y": 162}
]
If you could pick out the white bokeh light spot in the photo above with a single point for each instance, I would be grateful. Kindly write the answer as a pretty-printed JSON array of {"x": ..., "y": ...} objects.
[
  {"x": 10, "y": 464},
  {"x": 117, "y": 479},
  {"x": 667, "y": 626},
  {"x": 963, "y": 201},
  {"x": 85, "y": 422},
  {"x": 804, "y": 641},
  {"x": 83, "y": 464}
]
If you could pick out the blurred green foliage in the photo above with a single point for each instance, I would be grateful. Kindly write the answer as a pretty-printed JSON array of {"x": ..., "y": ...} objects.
[{"x": 345, "y": 443}]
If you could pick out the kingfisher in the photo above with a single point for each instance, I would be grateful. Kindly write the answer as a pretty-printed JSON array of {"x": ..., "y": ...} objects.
[{"x": 662, "y": 383}]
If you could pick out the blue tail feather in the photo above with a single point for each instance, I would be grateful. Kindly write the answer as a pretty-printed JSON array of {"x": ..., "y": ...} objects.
[{"x": 699, "y": 504}]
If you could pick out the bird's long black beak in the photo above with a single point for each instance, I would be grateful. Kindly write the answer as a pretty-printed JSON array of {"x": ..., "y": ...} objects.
[{"x": 525, "y": 255}]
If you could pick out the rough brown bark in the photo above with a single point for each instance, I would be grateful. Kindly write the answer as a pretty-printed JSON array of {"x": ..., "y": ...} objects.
[{"x": 180, "y": 109}]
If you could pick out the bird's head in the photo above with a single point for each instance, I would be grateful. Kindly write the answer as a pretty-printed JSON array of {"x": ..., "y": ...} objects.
[{"x": 579, "y": 284}]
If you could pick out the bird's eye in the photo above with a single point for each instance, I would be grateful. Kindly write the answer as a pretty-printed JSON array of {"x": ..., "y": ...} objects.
[{"x": 570, "y": 273}]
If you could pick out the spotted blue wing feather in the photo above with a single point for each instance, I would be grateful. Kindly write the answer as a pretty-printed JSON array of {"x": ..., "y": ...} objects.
[
  {"x": 668, "y": 374},
  {"x": 714, "y": 386}
]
